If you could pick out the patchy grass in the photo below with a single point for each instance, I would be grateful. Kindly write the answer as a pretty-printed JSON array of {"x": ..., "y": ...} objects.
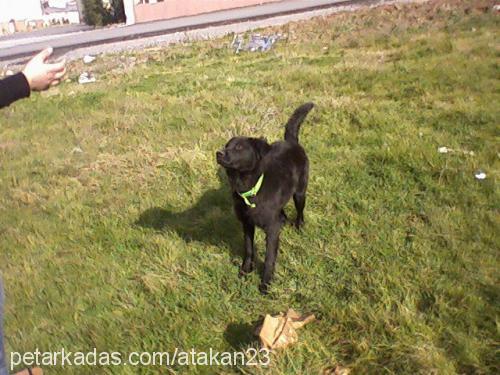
[{"x": 131, "y": 244}]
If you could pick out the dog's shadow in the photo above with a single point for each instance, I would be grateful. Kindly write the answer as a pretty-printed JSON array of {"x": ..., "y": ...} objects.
[{"x": 211, "y": 220}]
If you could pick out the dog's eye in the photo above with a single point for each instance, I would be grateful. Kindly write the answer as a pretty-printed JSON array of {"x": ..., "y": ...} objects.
[{"x": 238, "y": 147}]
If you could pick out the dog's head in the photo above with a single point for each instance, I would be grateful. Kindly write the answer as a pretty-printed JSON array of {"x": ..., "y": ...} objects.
[{"x": 242, "y": 154}]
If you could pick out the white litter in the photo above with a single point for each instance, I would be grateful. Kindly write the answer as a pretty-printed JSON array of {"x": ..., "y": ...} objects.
[
  {"x": 256, "y": 42},
  {"x": 76, "y": 150},
  {"x": 480, "y": 175},
  {"x": 86, "y": 77},
  {"x": 445, "y": 150},
  {"x": 87, "y": 59}
]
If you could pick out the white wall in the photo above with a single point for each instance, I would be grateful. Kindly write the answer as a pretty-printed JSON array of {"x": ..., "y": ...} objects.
[
  {"x": 72, "y": 17},
  {"x": 128, "y": 6},
  {"x": 20, "y": 10},
  {"x": 57, "y": 3}
]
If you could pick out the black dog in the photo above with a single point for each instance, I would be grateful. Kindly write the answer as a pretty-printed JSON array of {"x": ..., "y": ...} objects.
[{"x": 263, "y": 178}]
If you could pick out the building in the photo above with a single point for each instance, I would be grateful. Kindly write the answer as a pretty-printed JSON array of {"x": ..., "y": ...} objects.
[
  {"x": 153, "y": 10},
  {"x": 60, "y": 11},
  {"x": 18, "y": 15},
  {"x": 26, "y": 15},
  {"x": 20, "y": 10}
]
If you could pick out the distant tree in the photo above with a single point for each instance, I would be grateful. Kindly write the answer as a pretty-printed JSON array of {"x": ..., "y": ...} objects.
[
  {"x": 94, "y": 13},
  {"x": 117, "y": 11}
]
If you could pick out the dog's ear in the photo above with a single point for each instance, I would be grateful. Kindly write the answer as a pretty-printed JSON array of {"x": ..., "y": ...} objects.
[{"x": 260, "y": 146}]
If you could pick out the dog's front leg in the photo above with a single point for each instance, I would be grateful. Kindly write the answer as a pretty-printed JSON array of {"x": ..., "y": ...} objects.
[
  {"x": 272, "y": 244},
  {"x": 249, "y": 258}
]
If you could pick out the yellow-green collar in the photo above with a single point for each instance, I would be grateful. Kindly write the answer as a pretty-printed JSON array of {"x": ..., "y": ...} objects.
[{"x": 252, "y": 192}]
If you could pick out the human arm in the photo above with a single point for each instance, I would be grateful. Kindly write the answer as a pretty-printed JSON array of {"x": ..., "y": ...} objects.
[{"x": 37, "y": 75}]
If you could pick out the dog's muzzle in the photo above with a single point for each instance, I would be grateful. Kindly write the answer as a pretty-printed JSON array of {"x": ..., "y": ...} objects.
[{"x": 220, "y": 156}]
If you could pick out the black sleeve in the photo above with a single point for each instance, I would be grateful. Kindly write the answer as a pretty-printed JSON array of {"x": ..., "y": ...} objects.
[{"x": 13, "y": 88}]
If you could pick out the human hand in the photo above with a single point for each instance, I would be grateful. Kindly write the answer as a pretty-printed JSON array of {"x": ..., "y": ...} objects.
[{"x": 40, "y": 74}]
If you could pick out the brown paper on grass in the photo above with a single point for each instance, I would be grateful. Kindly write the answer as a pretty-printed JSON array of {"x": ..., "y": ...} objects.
[
  {"x": 280, "y": 331},
  {"x": 337, "y": 370}
]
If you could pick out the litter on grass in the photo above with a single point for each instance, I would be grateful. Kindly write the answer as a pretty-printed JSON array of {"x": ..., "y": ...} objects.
[
  {"x": 337, "y": 370},
  {"x": 280, "y": 331},
  {"x": 87, "y": 59},
  {"x": 256, "y": 42},
  {"x": 445, "y": 150},
  {"x": 480, "y": 175},
  {"x": 86, "y": 77}
]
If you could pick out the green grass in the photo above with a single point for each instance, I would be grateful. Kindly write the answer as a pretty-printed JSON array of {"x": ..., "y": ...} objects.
[{"x": 131, "y": 245}]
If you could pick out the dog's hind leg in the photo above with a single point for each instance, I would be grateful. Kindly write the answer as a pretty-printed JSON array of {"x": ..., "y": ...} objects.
[
  {"x": 272, "y": 244},
  {"x": 300, "y": 201},
  {"x": 299, "y": 198},
  {"x": 283, "y": 217},
  {"x": 249, "y": 257}
]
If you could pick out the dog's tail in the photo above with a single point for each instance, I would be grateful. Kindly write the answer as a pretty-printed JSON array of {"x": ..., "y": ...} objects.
[{"x": 293, "y": 124}]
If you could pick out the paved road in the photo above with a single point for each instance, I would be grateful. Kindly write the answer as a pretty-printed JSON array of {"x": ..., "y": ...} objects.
[
  {"x": 65, "y": 43},
  {"x": 55, "y": 30}
]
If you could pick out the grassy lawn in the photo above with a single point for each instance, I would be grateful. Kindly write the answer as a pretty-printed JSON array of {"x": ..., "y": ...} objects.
[{"x": 116, "y": 227}]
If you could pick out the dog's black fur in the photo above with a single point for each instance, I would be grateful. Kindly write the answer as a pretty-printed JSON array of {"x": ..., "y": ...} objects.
[{"x": 286, "y": 168}]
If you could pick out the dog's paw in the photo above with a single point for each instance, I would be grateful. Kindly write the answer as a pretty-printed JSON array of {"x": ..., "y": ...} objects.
[
  {"x": 264, "y": 288},
  {"x": 299, "y": 223},
  {"x": 242, "y": 273},
  {"x": 245, "y": 269}
]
